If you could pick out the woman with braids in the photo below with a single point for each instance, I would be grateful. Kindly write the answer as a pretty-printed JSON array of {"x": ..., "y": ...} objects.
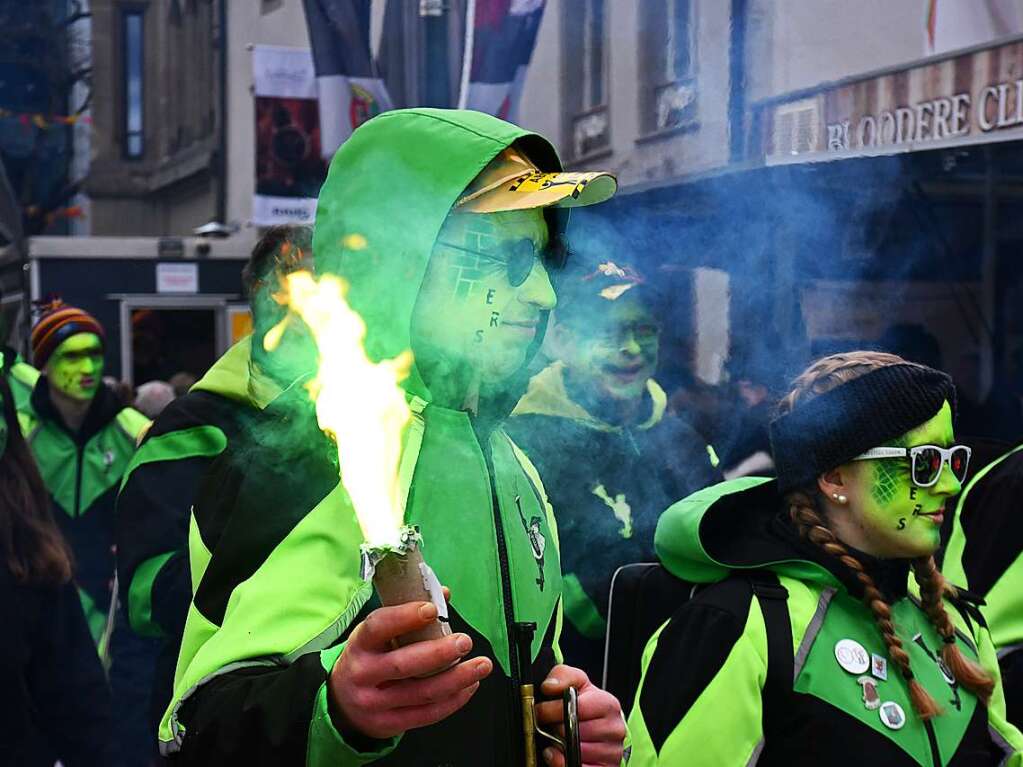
[
  {"x": 827, "y": 636},
  {"x": 55, "y": 700}
]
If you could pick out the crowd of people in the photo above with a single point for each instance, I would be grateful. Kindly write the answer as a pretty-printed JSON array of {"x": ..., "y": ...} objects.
[{"x": 835, "y": 580}]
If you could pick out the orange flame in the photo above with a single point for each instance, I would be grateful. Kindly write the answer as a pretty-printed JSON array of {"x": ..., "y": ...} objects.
[{"x": 359, "y": 403}]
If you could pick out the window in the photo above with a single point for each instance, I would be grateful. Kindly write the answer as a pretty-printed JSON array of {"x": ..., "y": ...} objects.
[
  {"x": 668, "y": 99},
  {"x": 585, "y": 66},
  {"x": 132, "y": 66}
]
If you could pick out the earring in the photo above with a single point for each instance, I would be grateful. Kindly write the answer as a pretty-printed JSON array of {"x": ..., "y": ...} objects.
[{"x": 840, "y": 498}]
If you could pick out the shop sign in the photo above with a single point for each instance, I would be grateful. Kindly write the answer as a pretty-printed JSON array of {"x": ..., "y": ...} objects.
[{"x": 966, "y": 97}]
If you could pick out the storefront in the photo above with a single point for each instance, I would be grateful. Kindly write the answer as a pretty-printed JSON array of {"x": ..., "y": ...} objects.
[
  {"x": 168, "y": 305},
  {"x": 884, "y": 207}
]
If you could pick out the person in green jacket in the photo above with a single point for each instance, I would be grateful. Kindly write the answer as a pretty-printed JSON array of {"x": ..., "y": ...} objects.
[
  {"x": 985, "y": 552},
  {"x": 444, "y": 224},
  {"x": 808, "y": 647},
  {"x": 161, "y": 483},
  {"x": 82, "y": 439}
]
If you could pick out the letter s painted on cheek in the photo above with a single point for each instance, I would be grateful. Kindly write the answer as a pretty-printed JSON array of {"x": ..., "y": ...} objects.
[{"x": 902, "y": 523}]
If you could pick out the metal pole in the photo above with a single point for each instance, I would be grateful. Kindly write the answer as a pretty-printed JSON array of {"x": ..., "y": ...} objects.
[{"x": 467, "y": 50}]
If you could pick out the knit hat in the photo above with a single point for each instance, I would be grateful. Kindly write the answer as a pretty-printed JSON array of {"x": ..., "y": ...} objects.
[
  {"x": 840, "y": 424},
  {"x": 57, "y": 323}
]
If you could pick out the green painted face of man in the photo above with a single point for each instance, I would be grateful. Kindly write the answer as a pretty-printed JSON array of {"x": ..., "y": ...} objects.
[
  {"x": 614, "y": 354},
  {"x": 887, "y": 515},
  {"x": 481, "y": 303},
  {"x": 75, "y": 369}
]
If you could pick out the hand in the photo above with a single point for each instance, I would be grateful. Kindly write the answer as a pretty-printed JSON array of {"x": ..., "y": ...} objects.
[
  {"x": 373, "y": 687},
  {"x": 601, "y": 724}
]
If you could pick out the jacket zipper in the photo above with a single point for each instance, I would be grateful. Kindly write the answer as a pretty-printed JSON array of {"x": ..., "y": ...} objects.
[{"x": 506, "y": 590}]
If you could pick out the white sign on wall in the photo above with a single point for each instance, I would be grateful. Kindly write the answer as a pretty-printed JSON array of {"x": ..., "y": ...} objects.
[{"x": 177, "y": 278}]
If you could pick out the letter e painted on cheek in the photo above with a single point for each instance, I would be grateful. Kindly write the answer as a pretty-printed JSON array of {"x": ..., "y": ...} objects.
[
  {"x": 912, "y": 493},
  {"x": 494, "y": 317},
  {"x": 490, "y": 295}
]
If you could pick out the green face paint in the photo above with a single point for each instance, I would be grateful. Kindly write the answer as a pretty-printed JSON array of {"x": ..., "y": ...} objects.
[
  {"x": 616, "y": 353},
  {"x": 468, "y": 309},
  {"x": 75, "y": 368},
  {"x": 897, "y": 518}
]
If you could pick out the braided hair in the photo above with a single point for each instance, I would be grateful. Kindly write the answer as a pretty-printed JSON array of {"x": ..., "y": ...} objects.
[{"x": 805, "y": 511}]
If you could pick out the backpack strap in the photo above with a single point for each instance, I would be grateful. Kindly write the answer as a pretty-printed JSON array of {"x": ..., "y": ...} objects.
[{"x": 772, "y": 597}]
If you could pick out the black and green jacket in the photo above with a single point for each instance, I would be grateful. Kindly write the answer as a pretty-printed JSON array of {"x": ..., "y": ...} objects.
[
  {"x": 155, "y": 504},
  {"x": 702, "y": 699},
  {"x": 608, "y": 484},
  {"x": 274, "y": 543},
  {"x": 985, "y": 551},
  {"x": 82, "y": 473}
]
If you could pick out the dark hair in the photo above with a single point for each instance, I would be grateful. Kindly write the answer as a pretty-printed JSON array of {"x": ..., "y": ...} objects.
[
  {"x": 281, "y": 247},
  {"x": 30, "y": 541}
]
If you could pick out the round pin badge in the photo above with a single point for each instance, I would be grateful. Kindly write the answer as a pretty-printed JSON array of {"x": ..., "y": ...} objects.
[
  {"x": 851, "y": 656},
  {"x": 892, "y": 715}
]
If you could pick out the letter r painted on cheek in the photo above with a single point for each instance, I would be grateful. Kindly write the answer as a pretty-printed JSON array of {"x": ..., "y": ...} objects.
[{"x": 494, "y": 319}]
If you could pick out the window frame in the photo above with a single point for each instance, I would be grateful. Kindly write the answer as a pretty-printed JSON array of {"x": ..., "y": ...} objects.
[
  {"x": 575, "y": 62},
  {"x": 654, "y": 67},
  {"x": 125, "y": 12}
]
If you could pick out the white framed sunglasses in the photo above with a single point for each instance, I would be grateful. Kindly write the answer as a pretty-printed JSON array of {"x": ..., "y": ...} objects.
[{"x": 926, "y": 461}]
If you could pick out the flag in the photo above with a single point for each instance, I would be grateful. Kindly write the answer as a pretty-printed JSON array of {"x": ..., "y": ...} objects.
[
  {"x": 503, "y": 37},
  {"x": 350, "y": 90},
  {"x": 955, "y": 24},
  {"x": 289, "y": 164}
]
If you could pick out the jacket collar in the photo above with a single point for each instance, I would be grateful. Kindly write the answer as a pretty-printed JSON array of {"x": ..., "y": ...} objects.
[
  {"x": 104, "y": 408},
  {"x": 548, "y": 396}
]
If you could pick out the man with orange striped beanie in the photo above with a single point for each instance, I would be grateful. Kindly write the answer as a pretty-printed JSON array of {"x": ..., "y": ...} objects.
[{"x": 82, "y": 439}]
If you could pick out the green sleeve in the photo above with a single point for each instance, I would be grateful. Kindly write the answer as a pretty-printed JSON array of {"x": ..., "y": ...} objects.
[
  {"x": 708, "y": 734},
  {"x": 996, "y": 706},
  {"x": 327, "y": 748},
  {"x": 140, "y": 596}
]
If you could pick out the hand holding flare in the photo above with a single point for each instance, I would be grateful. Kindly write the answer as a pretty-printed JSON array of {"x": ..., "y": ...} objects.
[{"x": 376, "y": 690}]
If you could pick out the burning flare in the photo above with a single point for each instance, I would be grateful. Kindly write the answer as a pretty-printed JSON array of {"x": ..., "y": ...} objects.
[{"x": 359, "y": 403}]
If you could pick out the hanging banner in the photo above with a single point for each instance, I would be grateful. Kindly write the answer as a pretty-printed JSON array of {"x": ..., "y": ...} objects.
[
  {"x": 349, "y": 88},
  {"x": 504, "y": 35},
  {"x": 289, "y": 161}
]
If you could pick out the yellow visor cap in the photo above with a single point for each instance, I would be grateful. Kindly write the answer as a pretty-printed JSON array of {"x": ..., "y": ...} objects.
[{"x": 512, "y": 182}]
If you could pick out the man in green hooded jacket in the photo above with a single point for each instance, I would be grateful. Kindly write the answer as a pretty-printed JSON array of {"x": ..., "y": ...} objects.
[{"x": 443, "y": 223}]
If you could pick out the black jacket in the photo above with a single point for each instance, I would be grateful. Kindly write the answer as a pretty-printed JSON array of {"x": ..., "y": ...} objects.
[
  {"x": 56, "y": 704},
  {"x": 608, "y": 485}
]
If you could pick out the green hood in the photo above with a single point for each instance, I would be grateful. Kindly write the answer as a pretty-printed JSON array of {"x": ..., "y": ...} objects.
[
  {"x": 392, "y": 184},
  {"x": 728, "y": 526}
]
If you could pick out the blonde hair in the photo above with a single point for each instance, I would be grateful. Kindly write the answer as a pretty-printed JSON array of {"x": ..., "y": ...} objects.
[{"x": 804, "y": 510}]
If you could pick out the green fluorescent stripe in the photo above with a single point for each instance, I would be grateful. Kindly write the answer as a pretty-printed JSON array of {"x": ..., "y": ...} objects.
[
  {"x": 580, "y": 610},
  {"x": 140, "y": 596},
  {"x": 94, "y": 617},
  {"x": 176, "y": 445}
]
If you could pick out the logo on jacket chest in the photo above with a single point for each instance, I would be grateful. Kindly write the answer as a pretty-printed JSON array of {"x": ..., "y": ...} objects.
[
  {"x": 619, "y": 507},
  {"x": 537, "y": 541}
]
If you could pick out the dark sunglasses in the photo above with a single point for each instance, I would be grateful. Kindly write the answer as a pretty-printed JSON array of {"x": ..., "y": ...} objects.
[
  {"x": 519, "y": 256},
  {"x": 926, "y": 461}
]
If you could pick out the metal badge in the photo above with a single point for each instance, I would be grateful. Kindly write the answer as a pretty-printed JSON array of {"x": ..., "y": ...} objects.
[
  {"x": 871, "y": 700},
  {"x": 892, "y": 715},
  {"x": 851, "y": 656},
  {"x": 879, "y": 666}
]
